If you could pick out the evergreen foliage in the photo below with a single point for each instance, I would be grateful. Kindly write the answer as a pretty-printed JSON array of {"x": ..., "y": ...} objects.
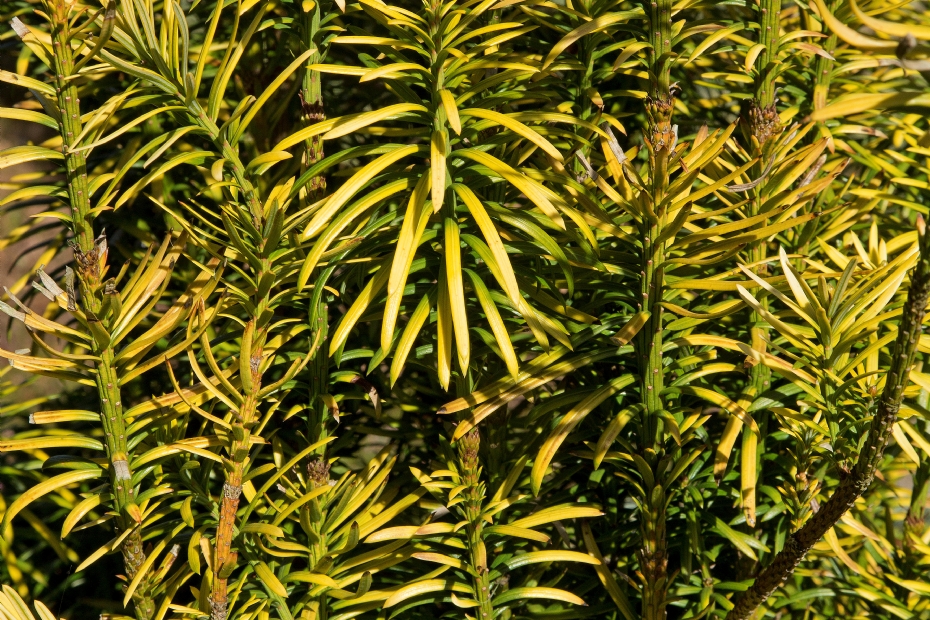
[{"x": 464, "y": 309}]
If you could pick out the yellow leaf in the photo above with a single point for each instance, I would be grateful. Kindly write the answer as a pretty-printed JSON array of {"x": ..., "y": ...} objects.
[
  {"x": 44, "y": 443},
  {"x": 517, "y": 127},
  {"x": 28, "y": 115},
  {"x": 748, "y": 475},
  {"x": 846, "y": 105},
  {"x": 915, "y": 435},
  {"x": 904, "y": 443},
  {"x": 444, "y": 327},
  {"x": 919, "y": 587},
  {"x": 911, "y": 28},
  {"x": 414, "y": 224},
  {"x": 437, "y": 154},
  {"x": 452, "y": 257},
  {"x": 268, "y": 578},
  {"x": 45, "y": 487},
  {"x": 463, "y": 604},
  {"x": 345, "y": 125},
  {"x": 496, "y": 322},
  {"x": 532, "y": 189},
  {"x": 610, "y": 433},
  {"x": 439, "y": 558},
  {"x": 308, "y": 577},
  {"x": 409, "y": 336},
  {"x": 721, "y": 401},
  {"x": 567, "y": 424},
  {"x": 851, "y": 36},
  {"x": 557, "y": 513},
  {"x": 425, "y": 587},
  {"x": 536, "y": 557},
  {"x": 834, "y": 543},
  {"x": 80, "y": 510},
  {"x": 605, "y": 575},
  {"x": 712, "y": 39},
  {"x": 592, "y": 26},
  {"x": 751, "y": 56},
  {"x": 348, "y": 189},
  {"x": 630, "y": 329},
  {"x": 725, "y": 446},
  {"x": 338, "y": 69},
  {"x": 393, "y": 70},
  {"x": 451, "y": 110},
  {"x": 24, "y": 154},
  {"x": 262, "y": 528},
  {"x": 554, "y": 594},
  {"x": 492, "y": 238},
  {"x": 344, "y": 219},
  {"x": 400, "y": 532},
  {"x": 517, "y": 532},
  {"x": 267, "y": 158}
]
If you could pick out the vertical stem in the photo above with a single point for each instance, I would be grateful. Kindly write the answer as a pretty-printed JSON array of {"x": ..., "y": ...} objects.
[
  {"x": 764, "y": 127},
  {"x": 654, "y": 551},
  {"x": 318, "y": 379},
  {"x": 250, "y": 373},
  {"x": 474, "y": 498},
  {"x": 224, "y": 560},
  {"x": 311, "y": 98},
  {"x": 253, "y": 337},
  {"x": 660, "y": 41},
  {"x": 91, "y": 266},
  {"x": 66, "y": 92},
  {"x": 121, "y": 479},
  {"x": 769, "y": 22},
  {"x": 231, "y": 155},
  {"x": 91, "y": 260},
  {"x": 318, "y": 465},
  {"x": 661, "y": 137},
  {"x": 312, "y": 521}
]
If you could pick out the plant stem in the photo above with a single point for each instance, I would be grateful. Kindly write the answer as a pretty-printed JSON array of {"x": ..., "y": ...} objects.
[
  {"x": 660, "y": 41},
  {"x": 312, "y": 516},
  {"x": 91, "y": 260},
  {"x": 121, "y": 478},
  {"x": 253, "y": 340},
  {"x": 860, "y": 478},
  {"x": 654, "y": 558},
  {"x": 312, "y": 111},
  {"x": 764, "y": 127},
  {"x": 661, "y": 137},
  {"x": 230, "y": 154},
  {"x": 313, "y": 519},
  {"x": 769, "y": 22},
  {"x": 70, "y": 127},
  {"x": 224, "y": 558},
  {"x": 474, "y": 497},
  {"x": 311, "y": 98}
]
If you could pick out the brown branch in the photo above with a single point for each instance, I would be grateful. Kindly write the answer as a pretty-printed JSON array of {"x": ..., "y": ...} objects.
[{"x": 856, "y": 483}]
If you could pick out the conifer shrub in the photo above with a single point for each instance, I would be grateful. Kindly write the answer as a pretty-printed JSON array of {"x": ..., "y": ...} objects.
[{"x": 488, "y": 309}]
